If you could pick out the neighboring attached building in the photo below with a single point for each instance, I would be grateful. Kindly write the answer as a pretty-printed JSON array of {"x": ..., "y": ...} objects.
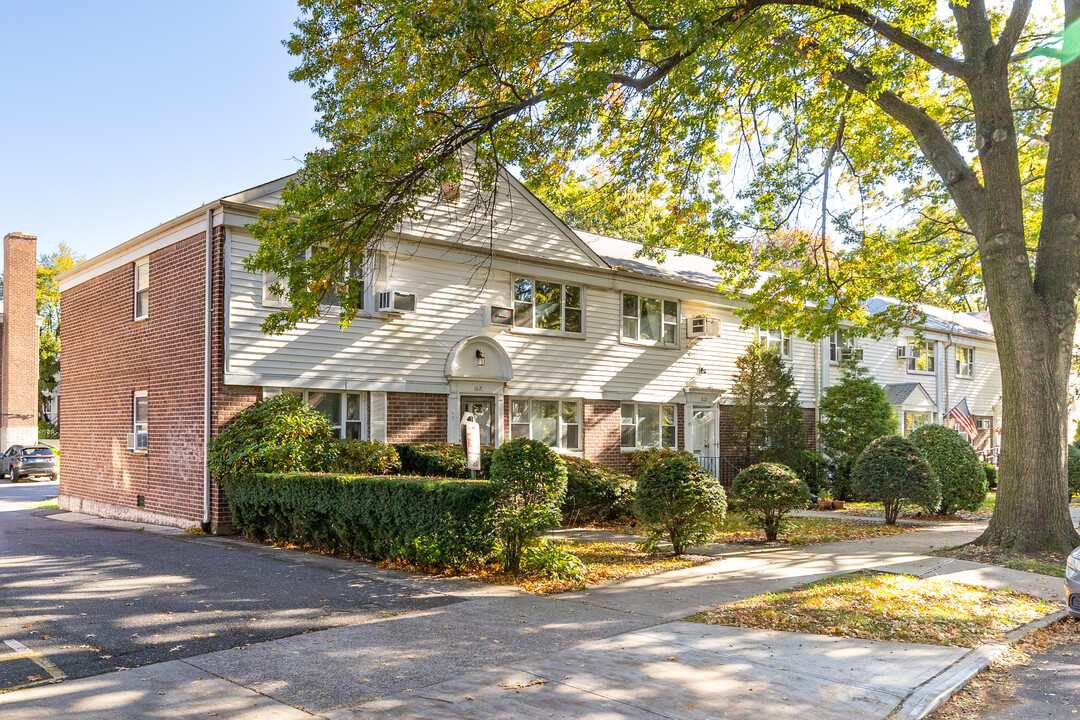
[
  {"x": 538, "y": 331},
  {"x": 19, "y": 343}
]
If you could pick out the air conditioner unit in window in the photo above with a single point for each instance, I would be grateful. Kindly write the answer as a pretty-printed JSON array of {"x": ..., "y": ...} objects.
[
  {"x": 702, "y": 327},
  {"x": 137, "y": 441},
  {"x": 392, "y": 302},
  {"x": 903, "y": 352},
  {"x": 496, "y": 316},
  {"x": 851, "y": 353}
]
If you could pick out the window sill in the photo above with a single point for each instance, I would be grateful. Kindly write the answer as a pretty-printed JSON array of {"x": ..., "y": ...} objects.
[
  {"x": 546, "y": 333},
  {"x": 144, "y": 318},
  {"x": 649, "y": 344},
  {"x": 964, "y": 377},
  {"x": 928, "y": 373}
]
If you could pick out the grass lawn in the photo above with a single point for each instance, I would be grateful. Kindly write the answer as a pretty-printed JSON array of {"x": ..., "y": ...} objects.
[
  {"x": 602, "y": 560},
  {"x": 914, "y": 512},
  {"x": 47, "y": 505},
  {"x": 1044, "y": 563},
  {"x": 886, "y": 607},
  {"x": 994, "y": 688}
]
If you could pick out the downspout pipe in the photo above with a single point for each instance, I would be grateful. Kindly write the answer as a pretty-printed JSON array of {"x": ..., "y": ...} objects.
[{"x": 207, "y": 366}]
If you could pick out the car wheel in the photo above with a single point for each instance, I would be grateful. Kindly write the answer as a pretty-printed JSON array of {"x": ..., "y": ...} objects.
[{"x": 15, "y": 477}]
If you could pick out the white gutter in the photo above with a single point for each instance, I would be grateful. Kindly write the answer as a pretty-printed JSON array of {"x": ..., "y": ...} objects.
[{"x": 207, "y": 367}]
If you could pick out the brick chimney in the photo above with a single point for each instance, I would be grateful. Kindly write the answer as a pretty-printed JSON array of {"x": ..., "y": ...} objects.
[{"x": 19, "y": 343}]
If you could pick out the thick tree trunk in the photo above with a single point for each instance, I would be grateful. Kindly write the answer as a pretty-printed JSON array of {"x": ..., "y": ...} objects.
[{"x": 1032, "y": 510}]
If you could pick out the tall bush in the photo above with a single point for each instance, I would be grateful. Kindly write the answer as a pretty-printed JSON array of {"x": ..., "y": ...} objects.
[
  {"x": 957, "y": 467},
  {"x": 362, "y": 457},
  {"x": 766, "y": 493},
  {"x": 677, "y": 499},
  {"x": 853, "y": 412},
  {"x": 891, "y": 470},
  {"x": 278, "y": 434},
  {"x": 596, "y": 493},
  {"x": 766, "y": 418},
  {"x": 529, "y": 484},
  {"x": 991, "y": 475}
]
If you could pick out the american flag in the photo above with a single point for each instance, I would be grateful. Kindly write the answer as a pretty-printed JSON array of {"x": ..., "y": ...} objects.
[{"x": 964, "y": 419}]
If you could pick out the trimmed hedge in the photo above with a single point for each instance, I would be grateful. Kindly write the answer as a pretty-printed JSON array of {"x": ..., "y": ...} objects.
[
  {"x": 640, "y": 458},
  {"x": 679, "y": 500},
  {"x": 425, "y": 520},
  {"x": 440, "y": 460},
  {"x": 363, "y": 457},
  {"x": 595, "y": 492},
  {"x": 958, "y": 469},
  {"x": 529, "y": 483}
]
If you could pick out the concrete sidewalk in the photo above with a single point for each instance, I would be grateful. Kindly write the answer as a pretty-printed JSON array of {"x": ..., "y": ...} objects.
[{"x": 616, "y": 650}]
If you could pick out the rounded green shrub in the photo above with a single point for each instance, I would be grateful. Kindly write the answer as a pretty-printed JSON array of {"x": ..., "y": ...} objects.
[
  {"x": 596, "y": 493},
  {"x": 991, "y": 475},
  {"x": 279, "y": 434},
  {"x": 1074, "y": 472},
  {"x": 766, "y": 492},
  {"x": 891, "y": 470},
  {"x": 679, "y": 500},
  {"x": 641, "y": 458},
  {"x": 364, "y": 457},
  {"x": 957, "y": 467},
  {"x": 529, "y": 484}
]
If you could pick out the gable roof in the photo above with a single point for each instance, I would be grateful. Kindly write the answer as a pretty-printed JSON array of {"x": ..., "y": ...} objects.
[{"x": 900, "y": 393}]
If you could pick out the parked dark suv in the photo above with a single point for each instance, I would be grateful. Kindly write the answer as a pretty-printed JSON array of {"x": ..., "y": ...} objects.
[{"x": 22, "y": 461}]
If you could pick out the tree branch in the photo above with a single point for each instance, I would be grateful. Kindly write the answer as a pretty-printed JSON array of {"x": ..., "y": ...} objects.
[
  {"x": 1014, "y": 26},
  {"x": 959, "y": 178}
]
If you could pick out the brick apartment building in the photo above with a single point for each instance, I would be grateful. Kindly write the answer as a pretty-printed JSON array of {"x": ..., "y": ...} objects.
[{"x": 536, "y": 329}]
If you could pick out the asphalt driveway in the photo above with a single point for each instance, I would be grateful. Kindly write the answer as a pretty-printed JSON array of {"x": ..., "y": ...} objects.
[{"x": 91, "y": 600}]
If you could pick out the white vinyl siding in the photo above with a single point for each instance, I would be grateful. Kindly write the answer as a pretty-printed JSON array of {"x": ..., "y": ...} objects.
[{"x": 556, "y": 423}]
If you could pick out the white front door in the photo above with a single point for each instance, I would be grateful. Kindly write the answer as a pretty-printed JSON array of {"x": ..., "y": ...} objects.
[{"x": 704, "y": 431}]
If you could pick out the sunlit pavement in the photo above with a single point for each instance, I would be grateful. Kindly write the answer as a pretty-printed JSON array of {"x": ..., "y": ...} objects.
[{"x": 225, "y": 628}]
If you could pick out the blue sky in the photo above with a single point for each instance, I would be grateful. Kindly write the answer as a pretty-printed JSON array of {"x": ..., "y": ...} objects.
[{"x": 117, "y": 116}]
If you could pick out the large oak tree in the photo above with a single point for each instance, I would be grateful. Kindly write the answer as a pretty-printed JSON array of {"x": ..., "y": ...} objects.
[{"x": 926, "y": 151}]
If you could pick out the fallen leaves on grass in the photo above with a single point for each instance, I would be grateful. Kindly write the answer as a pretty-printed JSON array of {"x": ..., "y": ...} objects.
[
  {"x": 804, "y": 531},
  {"x": 995, "y": 687},
  {"x": 1040, "y": 563},
  {"x": 602, "y": 560},
  {"x": 886, "y": 607},
  {"x": 914, "y": 512}
]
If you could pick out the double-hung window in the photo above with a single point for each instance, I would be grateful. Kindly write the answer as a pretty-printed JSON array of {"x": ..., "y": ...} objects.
[
  {"x": 650, "y": 320},
  {"x": 965, "y": 362},
  {"x": 346, "y": 411},
  {"x": 921, "y": 356},
  {"x": 140, "y": 419},
  {"x": 544, "y": 305},
  {"x": 776, "y": 339},
  {"x": 838, "y": 342},
  {"x": 556, "y": 423},
  {"x": 142, "y": 290},
  {"x": 648, "y": 426}
]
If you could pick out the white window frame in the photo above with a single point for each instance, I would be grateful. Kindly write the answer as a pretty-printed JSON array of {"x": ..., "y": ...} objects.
[
  {"x": 561, "y": 424},
  {"x": 969, "y": 362},
  {"x": 341, "y": 426},
  {"x": 665, "y": 323},
  {"x": 531, "y": 304},
  {"x": 136, "y": 290},
  {"x": 776, "y": 338},
  {"x": 839, "y": 341},
  {"x": 916, "y": 350},
  {"x": 674, "y": 425},
  {"x": 140, "y": 426},
  {"x": 270, "y": 299}
]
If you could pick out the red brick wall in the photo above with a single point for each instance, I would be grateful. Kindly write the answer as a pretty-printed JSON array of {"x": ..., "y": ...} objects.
[
  {"x": 603, "y": 434},
  {"x": 19, "y": 376},
  {"x": 107, "y": 356},
  {"x": 415, "y": 417}
]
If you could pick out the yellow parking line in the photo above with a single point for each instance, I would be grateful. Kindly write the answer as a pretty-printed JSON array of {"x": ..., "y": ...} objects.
[{"x": 21, "y": 651}]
